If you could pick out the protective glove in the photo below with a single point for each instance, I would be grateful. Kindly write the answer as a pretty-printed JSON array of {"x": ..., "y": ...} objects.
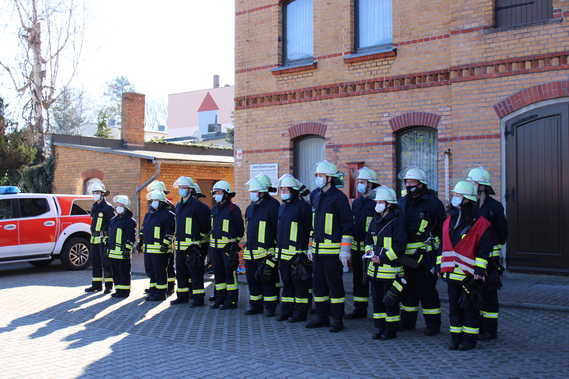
[
  {"x": 301, "y": 267},
  {"x": 391, "y": 298},
  {"x": 471, "y": 296},
  {"x": 232, "y": 251},
  {"x": 193, "y": 256},
  {"x": 344, "y": 258},
  {"x": 309, "y": 253},
  {"x": 164, "y": 248},
  {"x": 265, "y": 271},
  {"x": 493, "y": 281},
  {"x": 345, "y": 248}
]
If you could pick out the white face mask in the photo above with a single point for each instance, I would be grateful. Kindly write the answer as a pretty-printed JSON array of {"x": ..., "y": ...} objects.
[
  {"x": 97, "y": 197},
  {"x": 119, "y": 209},
  {"x": 320, "y": 182},
  {"x": 155, "y": 204},
  {"x": 456, "y": 201},
  {"x": 285, "y": 196},
  {"x": 254, "y": 196},
  {"x": 362, "y": 188},
  {"x": 379, "y": 207},
  {"x": 218, "y": 198},
  {"x": 183, "y": 192}
]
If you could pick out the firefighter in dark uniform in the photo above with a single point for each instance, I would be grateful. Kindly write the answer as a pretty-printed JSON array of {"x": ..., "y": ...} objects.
[
  {"x": 122, "y": 234},
  {"x": 466, "y": 246},
  {"x": 331, "y": 242},
  {"x": 159, "y": 185},
  {"x": 385, "y": 241},
  {"x": 492, "y": 211},
  {"x": 227, "y": 229},
  {"x": 293, "y": 232},
  {"x": 155, "y": 239},
  {"x": 363, "y": 213},
  {"x": 261, "y": 265},
  {"x": 423, "y": 215},
  {"x": 192, "y": 228},
  {"x": 101, "y": 214}
]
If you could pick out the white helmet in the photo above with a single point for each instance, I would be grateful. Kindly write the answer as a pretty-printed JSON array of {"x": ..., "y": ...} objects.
[
  {"x": 156, "y": 195},
  {"x": 369, "y": 175},
  {"x": 467, "y": 189},
  {"x": 123, "y": 199},
  {"x": 97, "y": 186},
  {"x": 184, "y": 181},
  {"x": 157, "y": 185},
  {"x": 198, "y": 190},
  {"x": 223, "y": 186},
  {"x": 384, "y": 193},
  {"x": 256, "y": 185},
  {"x": 480, "y": 175},
  {"x": 264, "y": 178},
  {"x": 328, "y": 169},
  {"x": 287, "y": 180},
  {"x": 413, "y": 172}
]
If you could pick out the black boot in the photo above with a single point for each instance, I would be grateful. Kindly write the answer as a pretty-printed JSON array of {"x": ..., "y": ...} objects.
[
  {"x": 318, "y": 322},
  {"x": 94, "y": 288}
]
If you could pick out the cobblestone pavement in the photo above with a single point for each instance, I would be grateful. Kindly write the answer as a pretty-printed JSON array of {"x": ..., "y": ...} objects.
[{"x": 50, "y": 327}]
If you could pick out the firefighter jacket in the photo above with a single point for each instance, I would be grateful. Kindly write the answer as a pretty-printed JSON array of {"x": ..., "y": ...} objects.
[
  {"x": 387, "y": 239},
  {"x": 493, "y": 211},
  {"x": 423, "y": 216},
  {"x": 331, "y": 220},
  {"x": 193, "y": 220},
  {"x": 294, "y": 227},
  {"x": 101, "y": 214},
  {"x": 122, "y": 234},
  {"x": 465, "y": 247},
  {"x": 261, "y": 219},
  {"x": 158, "y": 230},
  {"x": 226, "y": 224},
  {"x": 363, "y": 209}
]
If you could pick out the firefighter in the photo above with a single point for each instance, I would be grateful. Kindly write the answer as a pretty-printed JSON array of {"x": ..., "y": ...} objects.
[
  {"x": 331, "y": 241},
  {"x": 122, "y": 235},
  {"x": 385, "y": 241},
  {"x": 227, "y": 229},
  {"x": 466, "y": 246},
  {"x": 423, "y": 215},
  {"x": 363, "y": 213},
  {"x": 492, "y": 211},
  {"x": 261, "y": 265},
  {"x": 156, "y": 237},
  {"x": 192, "y": 231},
  {"x": 101, "y": 214},
  {"x": 266, "y": 181},
  {"x": 159, "y": 185},
  {"x": 293, "y": 231}
]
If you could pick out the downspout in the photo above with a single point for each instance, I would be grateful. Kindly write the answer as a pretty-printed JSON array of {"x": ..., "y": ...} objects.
[
  {"x": 137, "y": 192},
  {"x": 447, "y": 177}
]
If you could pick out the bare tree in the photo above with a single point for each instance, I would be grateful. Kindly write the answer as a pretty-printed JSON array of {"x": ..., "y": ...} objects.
[
  {"x": 50, "y": 37},
  {"x": 68, "y": 111},
  {"x": 156, "y": 114}
]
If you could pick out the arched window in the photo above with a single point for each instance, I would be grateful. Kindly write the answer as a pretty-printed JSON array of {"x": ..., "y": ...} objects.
[
  {"x": 308, "y": 151},
  {"x": 418, "y": 146},
  {"x": 88, "y": 184}
]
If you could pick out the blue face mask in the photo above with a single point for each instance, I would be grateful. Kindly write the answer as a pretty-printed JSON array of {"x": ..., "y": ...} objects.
[
  {"x": 155, "y": 204},
  {"x": 218, "y": 198},
  {"x": 285, "y": 196},
  {"x": 362, "y": 188},
  {"x": 183, "y": 192},
  {"x": 254, "y": 196},
  {"x": 320, "y": 182},
  {"x": 456, "y": 201}
]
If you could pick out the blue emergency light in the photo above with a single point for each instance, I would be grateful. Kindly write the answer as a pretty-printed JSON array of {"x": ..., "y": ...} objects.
[{"x": 9, "y": 190}]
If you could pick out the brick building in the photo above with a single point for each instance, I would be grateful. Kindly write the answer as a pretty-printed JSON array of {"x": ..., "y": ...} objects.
[
  {"x": 128, "y": 165},
  {"x": 439, "y": 84}
]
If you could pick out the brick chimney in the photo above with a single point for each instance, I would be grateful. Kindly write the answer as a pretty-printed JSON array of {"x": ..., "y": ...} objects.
[
  {"x": 216, "y": 81},
  {"x": 132, "y": 128}
]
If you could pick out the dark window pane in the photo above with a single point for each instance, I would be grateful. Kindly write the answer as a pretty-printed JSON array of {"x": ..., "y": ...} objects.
[
  {"x": 5, "y": 209},
  {"x": 520, "y": 12},
  {"x": 33, "y": 207}
]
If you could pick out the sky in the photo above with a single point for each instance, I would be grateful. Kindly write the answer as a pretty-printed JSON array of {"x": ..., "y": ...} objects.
[{"x": 162, "y": 47}]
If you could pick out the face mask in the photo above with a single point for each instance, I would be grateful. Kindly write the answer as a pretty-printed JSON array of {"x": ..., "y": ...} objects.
[
  {"x": 218, "y": 198},
  {"x": 456, "y": 201},
  {"x": 379, "y": 207},
  {"x": 362, "y": 188},
  {"x": 411, "y": 189},
  {"x": 183, "y": 192},
  {"x": 155, "y": 204},
  {"x": 119, "y": 209},
  {"x": 254, "y": 196},
  {"x": 285, "y": 196},
  {"x": 97, "y": 197},
  {"x": 320, "y": 182}
]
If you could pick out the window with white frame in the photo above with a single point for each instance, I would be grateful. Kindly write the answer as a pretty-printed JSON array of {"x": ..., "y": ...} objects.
[
  {"x": 373, "y": 25},
  {"x": 298, "y": 40},
  {"x": 419, "y": 147},
  {"x": 308, "y": 151}
]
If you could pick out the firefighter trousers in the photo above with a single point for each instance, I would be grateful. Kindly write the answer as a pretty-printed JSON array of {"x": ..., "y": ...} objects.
[
  {"x": 226, "y": 285},
  {"x": 101, "y": 265},
  {"x": 328, "y": 286},
  {"x": 384, "y": 318},
  {"x": 420, "y": 287},
  {"x": 464, "y": 322},
  {"x": 156, "y": 266},
  {"x": 489, "y": 314},
  {"x": 121, "y": 274},
  {"x": 190, "y": 279},
  {"x": 261, "y": 292},
  {"x": 295, "y": 298}
]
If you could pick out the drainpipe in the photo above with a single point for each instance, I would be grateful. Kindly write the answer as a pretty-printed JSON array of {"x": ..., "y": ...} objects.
[
  {"x": 136, "y": 194},
  {"x": 447, "y": 176}
]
